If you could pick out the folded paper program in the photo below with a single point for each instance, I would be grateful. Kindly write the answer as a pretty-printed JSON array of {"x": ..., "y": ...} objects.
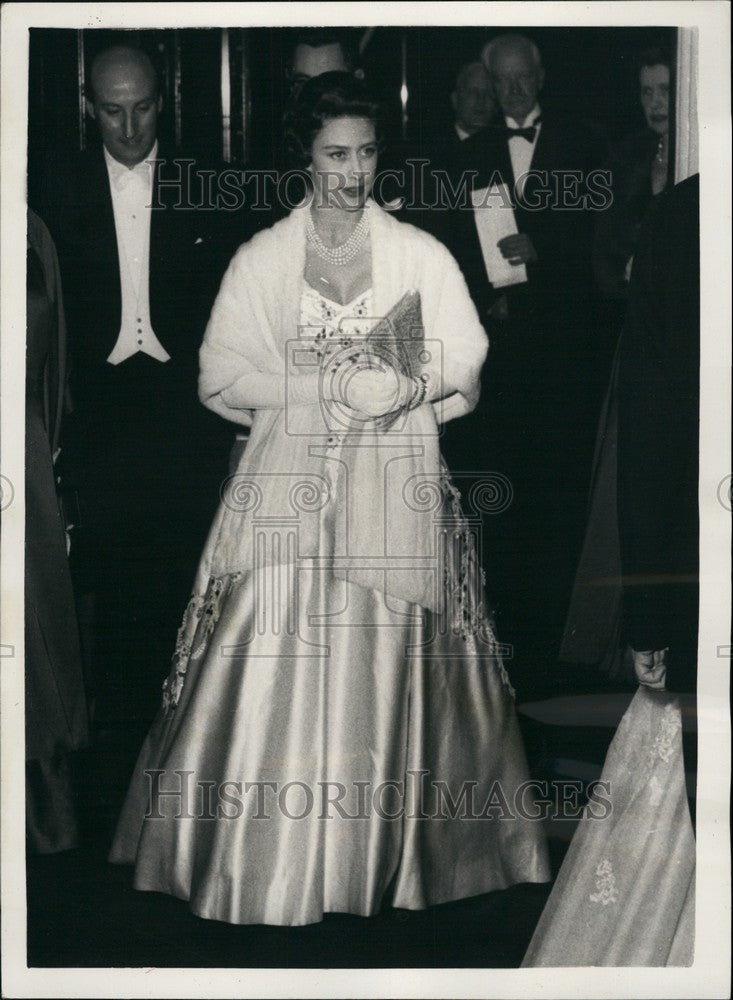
[{"x": 494, "y": 218}]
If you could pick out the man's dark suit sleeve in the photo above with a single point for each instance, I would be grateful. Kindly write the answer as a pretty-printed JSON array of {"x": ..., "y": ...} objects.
[{"x": 658, "y": 435}]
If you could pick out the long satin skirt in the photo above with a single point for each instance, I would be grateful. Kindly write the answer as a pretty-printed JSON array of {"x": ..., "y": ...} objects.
[{"x": 324, "y": 747}]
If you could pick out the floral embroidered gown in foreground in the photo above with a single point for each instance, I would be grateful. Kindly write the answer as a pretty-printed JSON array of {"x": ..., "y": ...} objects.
[{"x": 625, "y": 895}]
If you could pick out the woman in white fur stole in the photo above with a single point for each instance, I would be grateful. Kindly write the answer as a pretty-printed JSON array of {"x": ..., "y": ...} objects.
[{"x": 337, "y": 729}]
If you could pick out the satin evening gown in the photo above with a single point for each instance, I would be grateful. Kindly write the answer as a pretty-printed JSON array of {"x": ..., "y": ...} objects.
[
  {"x": 326, "y": 744},
  {"x": 625, "y": 895}
]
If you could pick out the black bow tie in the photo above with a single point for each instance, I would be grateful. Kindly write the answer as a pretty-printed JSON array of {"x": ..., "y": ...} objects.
[{"x": 528, "y": 133}]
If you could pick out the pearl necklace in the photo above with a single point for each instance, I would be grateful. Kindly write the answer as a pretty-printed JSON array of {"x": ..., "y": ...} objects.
[{"x": 348, "y": 250}]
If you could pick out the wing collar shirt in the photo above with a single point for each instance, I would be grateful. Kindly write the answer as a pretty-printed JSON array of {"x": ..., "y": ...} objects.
[
  {"x": 520, "y": 150},
  {"x": 132, "y": 196}
]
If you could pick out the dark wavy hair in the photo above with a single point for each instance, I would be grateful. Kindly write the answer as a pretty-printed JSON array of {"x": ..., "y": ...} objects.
[
  {"x": 655, "y": 55},
  {"x": 321, "y": 99},
  {"x": 318, "y": 38}
]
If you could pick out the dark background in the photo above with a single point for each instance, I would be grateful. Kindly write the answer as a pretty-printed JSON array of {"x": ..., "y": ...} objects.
[
  {"x": 589, "y": 73},
  {"x": 83, "y": 911}
]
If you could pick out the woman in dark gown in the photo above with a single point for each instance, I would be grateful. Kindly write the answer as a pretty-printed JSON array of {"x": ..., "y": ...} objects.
[
  {"x": 639, "y": 165},
  {"x": 55, "y": 706},
  {"x": 640, "y": 171}
]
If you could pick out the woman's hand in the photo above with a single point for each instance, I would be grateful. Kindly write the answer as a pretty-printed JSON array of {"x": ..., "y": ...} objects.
[
  {"x": 374, "y": 392},
  {"x": 650, "y": 668}
]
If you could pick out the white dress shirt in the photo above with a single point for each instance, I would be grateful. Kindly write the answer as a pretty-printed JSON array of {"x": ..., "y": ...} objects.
[
  {"x": 461, "y": 132},
  {"x": 520, "y": 150},
  {"x": 132, "y": 195}
]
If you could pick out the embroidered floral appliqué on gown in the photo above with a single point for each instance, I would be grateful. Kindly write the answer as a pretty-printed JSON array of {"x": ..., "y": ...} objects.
[
  {"x": 625, "y": 895},
  {"x": 334, "y": 328},
  {"x": 287, "y": 675}
]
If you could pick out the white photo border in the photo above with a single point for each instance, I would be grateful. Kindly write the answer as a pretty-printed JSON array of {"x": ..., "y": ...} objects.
[{"x": 709, "y": 976}]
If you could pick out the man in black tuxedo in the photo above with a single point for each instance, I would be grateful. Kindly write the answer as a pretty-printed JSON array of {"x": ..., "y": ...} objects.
[
  {"x": 439, "y": 153},
  {"x": 314, "y": 51},
  {"x": 474, "y": 106},
  {"x": 543, "y": 381},
  {"x": 309, "y": 52},
  {"x": 140, "y": 269}
]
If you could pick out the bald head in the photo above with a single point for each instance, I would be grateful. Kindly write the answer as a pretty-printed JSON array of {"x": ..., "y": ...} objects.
[
  {"x": 472, "y": 100},
  {"x": 515, "y": 67},
  {"x": 125, "y": 103},
  {"x": 123, "y": 65}
]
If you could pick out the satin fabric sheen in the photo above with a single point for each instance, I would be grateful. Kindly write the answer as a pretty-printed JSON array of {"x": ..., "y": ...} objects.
[
  {"x": 364, "y": 711},
  {"x": 625, "y": 895},
  {"x": 285, "y": 673}
]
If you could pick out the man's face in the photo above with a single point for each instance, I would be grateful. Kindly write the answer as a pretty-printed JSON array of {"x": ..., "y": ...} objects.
[
  {"x": 126, "y": 107},
  {"x": 473, "y": 101},
  {"x": 517, "y": 81},
  {"x": 654, "y": 87},
  {"x": 309, "y": 61}
]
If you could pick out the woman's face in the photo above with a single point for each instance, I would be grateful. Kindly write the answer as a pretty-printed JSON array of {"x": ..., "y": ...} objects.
[
  {"x": 344, "y": 162},
  {"x": 654, "y": 85}
]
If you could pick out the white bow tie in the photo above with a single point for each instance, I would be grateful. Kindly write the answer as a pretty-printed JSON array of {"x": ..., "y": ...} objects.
[{"x": 124, "y": 178}]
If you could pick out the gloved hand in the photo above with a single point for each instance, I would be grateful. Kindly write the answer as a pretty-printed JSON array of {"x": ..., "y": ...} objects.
[{"x": 374, "y": 392}]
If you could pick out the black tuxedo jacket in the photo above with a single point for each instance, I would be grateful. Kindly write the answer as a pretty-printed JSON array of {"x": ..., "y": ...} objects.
[
  {"x": 555, "y": 211},
  {"x": 444, "y": 148},
  {"x": 188, "y": 254},
  {"x": 138, "y": 431},
  {"x": 542, "y": 384},
  {"x": 420, "y": 169}
]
